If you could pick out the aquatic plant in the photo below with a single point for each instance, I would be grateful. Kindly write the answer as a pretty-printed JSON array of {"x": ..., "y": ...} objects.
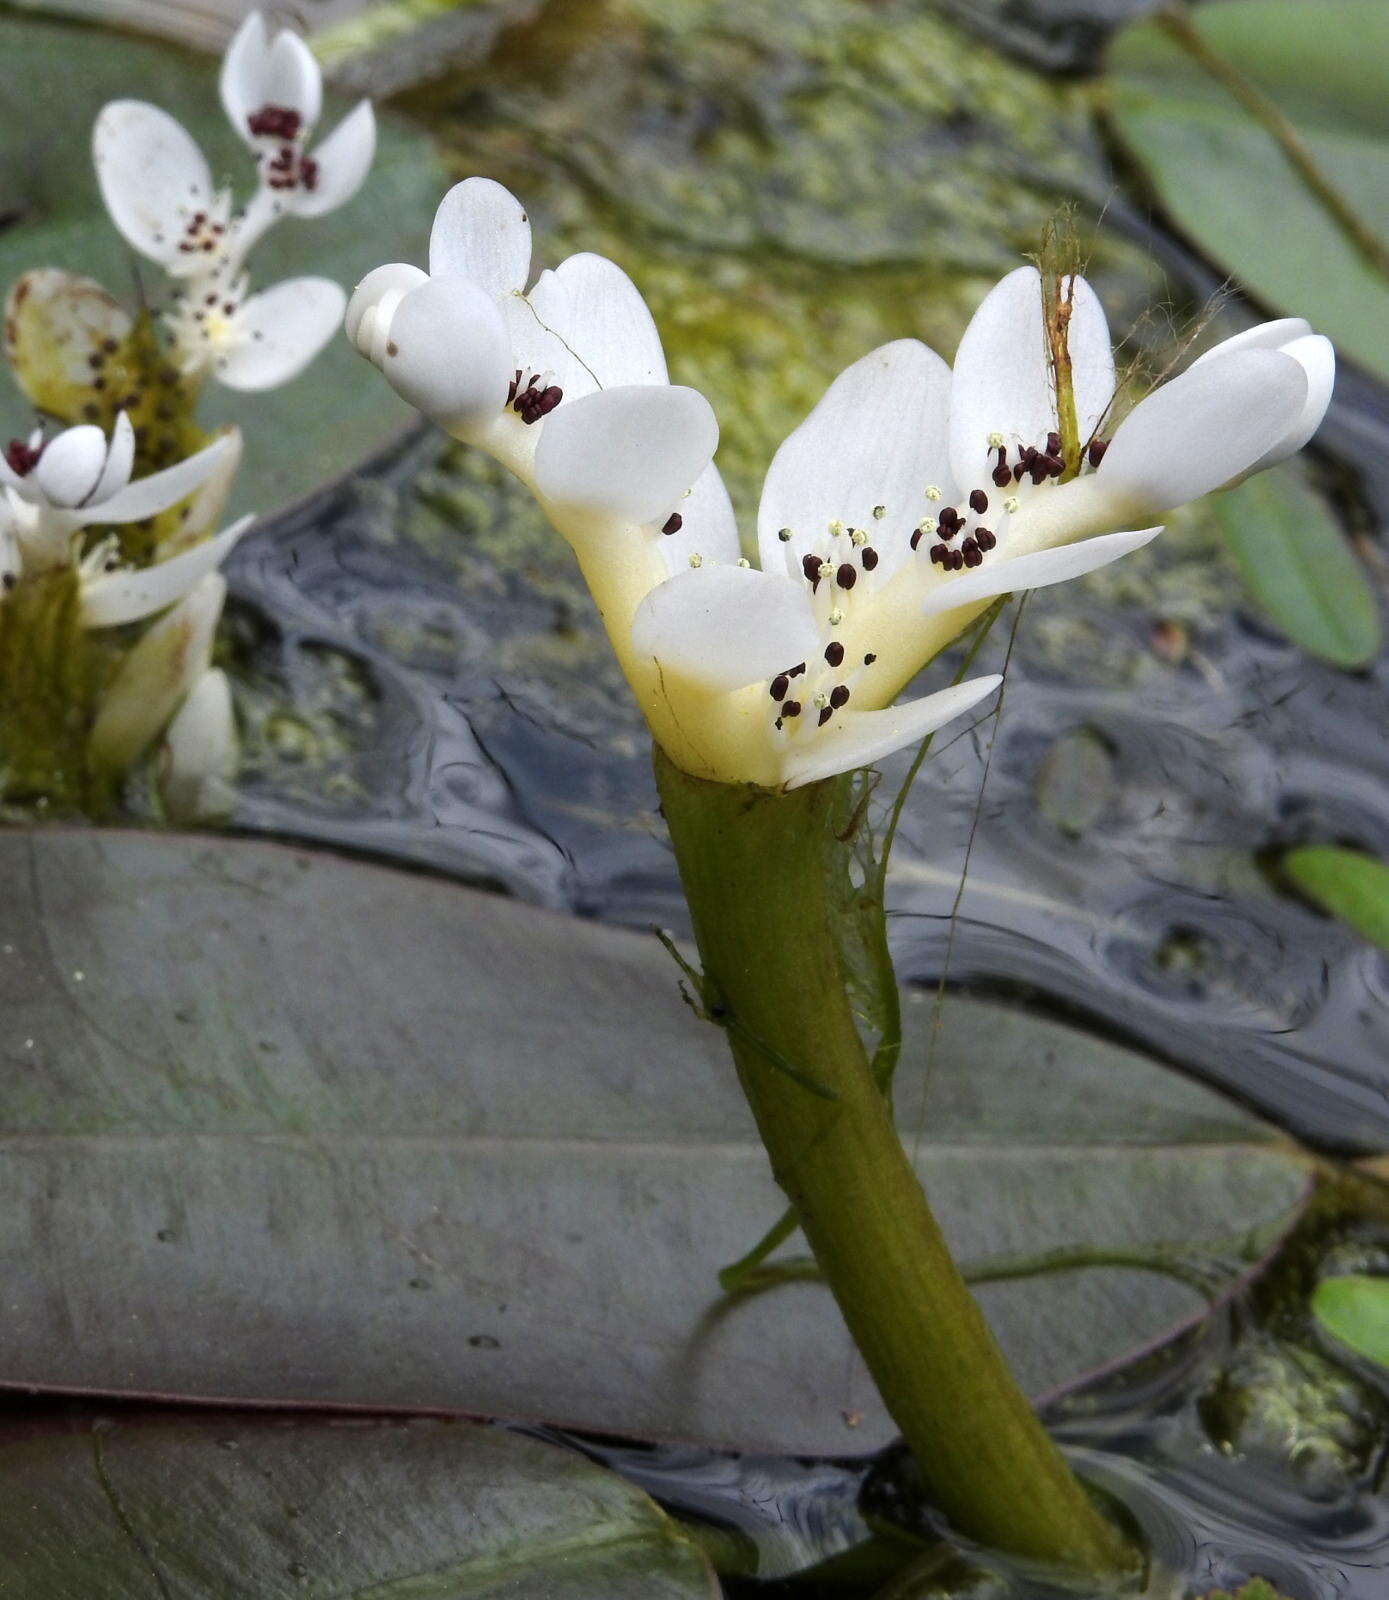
[
  {"x": 909, "y": 500},
  {"x": 109, "y": 522}
]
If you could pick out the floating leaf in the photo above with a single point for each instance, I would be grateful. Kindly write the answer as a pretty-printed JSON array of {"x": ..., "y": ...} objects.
[
  {"x": 1227, "y": 181},
  {"x": 330, "y": 417},
  {"x": 1347, "y": 883},
  {"x": 276, "y": 1124},
  {"x": 1355, "y": 1308},
  {"x": 283, "y": 1508},
  {"x": 1297, "y": 564}
]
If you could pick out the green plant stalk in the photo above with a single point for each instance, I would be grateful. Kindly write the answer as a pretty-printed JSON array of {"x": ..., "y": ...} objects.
[{"x": 758, "y": 868}]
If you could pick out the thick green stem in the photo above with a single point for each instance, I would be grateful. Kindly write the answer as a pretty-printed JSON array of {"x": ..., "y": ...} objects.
[{"x": 758, "y": 869}]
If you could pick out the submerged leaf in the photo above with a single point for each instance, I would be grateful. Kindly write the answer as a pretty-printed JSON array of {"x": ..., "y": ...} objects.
[
  {"x": 1297, "y": 564},
  {"x": 1355, "y": 1308},
  {"x": 1226, "y": 180},
  {"x": 1348, "y": 883}
]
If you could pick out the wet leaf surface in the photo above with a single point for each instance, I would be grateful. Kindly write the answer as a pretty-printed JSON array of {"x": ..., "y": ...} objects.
[
  {"x": 131, "y": 1506},
  {"x": 1226, "y": 181},
  {"x": 329, "y": 418},
  {"x": 379, "y": 1139}
]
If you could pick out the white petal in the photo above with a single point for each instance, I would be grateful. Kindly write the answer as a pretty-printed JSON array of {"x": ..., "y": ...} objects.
[
  {"x": 115, "y": 598},
  {"x": 1001, "y": 379},
  {"x": 608, "y": 325},
  {"x": 481, "y": 232},
  {"x": 628, "y": 453},
  {"x": 281, "y": 331},
  {"x": 540, "y": 325},
  {"x": 859, "y": 738},
  {"x": 381, "y": 291},
  {"x": 725, "y": 627},
  {"x": 877, "y": 437},
  {"x": 148, "y": 496},
  {"x": 120, "y": 458},
  {"x": 243, "y": 71},
  {"x": 708, "y": 527},
  {"x": 291, "y": 77},
  {"x": 446, "y": 352},
  {"x": 1262, "y": 336},
  {"x": 1316, "y": 355},
  {"x": 71, "y": 465},
  {"x": 1092, "y": 358},
  {"x": 155, "y": 676},
  {"x": 1008, "y": 574},
  {"x": 1203, "y": 429},
  {"x": 200, "y": 751},
  {"x": 152, "y": 175},
  {"x": 344, "y": 159}
]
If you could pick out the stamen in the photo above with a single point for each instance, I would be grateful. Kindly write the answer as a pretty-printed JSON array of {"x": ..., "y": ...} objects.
[
  {"x": 933, "y": 491},
  {"x": 825, "y": 569},
  {"x": 22, "y": 457},
  {"x": 879, "y": 512},
  {"x": 836, "y": 528},
  {"x": 869, "y": 559},
  {"x": 835, "y": 617},
  {"x": 825, "y": 716},
  {"x": 834, "y": 653},
  {"x": 821, "y": 700},
  {"x": 275, "y": 122},
  {"x": 1011, "y": 504},
  {"x": 785, "y": 535},
  {"x": 673, "y": 523},
  {"x": 858, "y": 536},
  {"x": 839, "y": 696},
  {"x": 696, "y": 560},
  {"x": 1095, "y": 454},
  {"x": 810, "y": 566},
  {"x": 978, "y": 502},
  {"x": 847, "y": 576},
  {"x": 869, "y": 659},
  {"x": 985, "y": 538},
  {"x": 779, "y": 686},
  {"x": 995, "y": 440},
  {"x": 792, "y": 708}
]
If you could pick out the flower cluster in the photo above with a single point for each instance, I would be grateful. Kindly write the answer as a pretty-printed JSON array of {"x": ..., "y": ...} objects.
[
  {"x": 909, "y": 498},
  {"x": 159, "y": 191},
  {"x": 92, "y": 540}
]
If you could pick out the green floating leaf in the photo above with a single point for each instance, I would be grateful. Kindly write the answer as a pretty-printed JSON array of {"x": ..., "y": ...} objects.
[
  {"x": 298, "y": 1508},
  {"x": 332, "y": 416},
  {"x": 1355, "y": 1308},
  {"x": 1347, "y": 883},
  {"x": 1227, "y": 181},
  {"x": 1299, "y": 567},
  {"x": 276, "y": 1124}
]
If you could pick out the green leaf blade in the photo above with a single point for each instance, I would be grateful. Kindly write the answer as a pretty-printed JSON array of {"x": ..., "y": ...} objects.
[
  {"x": 1355, "y": 1310},
  {"x": 1348, "y": 883},
  {"x": 1299, "y": 567}
]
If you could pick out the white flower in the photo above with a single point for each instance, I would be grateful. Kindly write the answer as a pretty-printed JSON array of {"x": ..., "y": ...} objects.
[
  {"x": 54, "y": 488},
  {"x": 198, "y": 760},
  {"x": 566, "y": 385},
  {"x": 910, "y": 497},
  {"x": 159, "y": 191}
]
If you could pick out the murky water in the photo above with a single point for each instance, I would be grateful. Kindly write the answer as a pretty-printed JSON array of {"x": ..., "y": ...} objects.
[{"x": 454, "y": 705}]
